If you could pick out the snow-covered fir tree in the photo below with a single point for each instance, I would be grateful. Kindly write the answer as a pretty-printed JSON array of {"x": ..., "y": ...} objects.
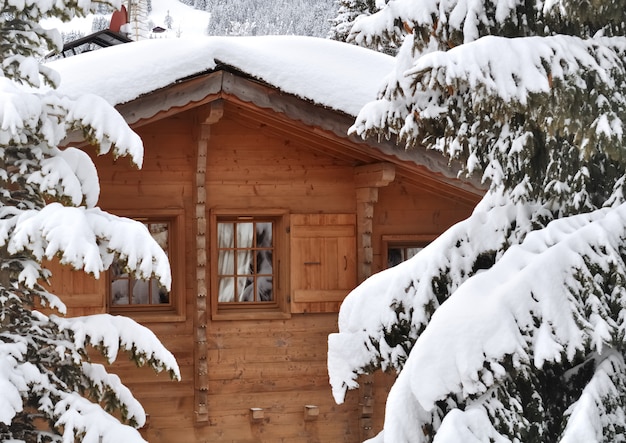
[
  {"x": 51, "y": 390},
  {"x": 200, "y": 5},
  {"x": 276, "y": 17},
  {"x": 347, "y": 12},
  {"x": 100, "y": 23},
  {"x": 71, "y": 36},
  {"x": 511, "y": 326},
  {"x": 169, "y": 20},
  {"x": 138, "y": 27}
]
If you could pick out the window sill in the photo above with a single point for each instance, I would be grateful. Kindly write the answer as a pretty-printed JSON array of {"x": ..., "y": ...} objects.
[
  {"x": 150, "y": 317},
  {"x": 249, "y": 314}
]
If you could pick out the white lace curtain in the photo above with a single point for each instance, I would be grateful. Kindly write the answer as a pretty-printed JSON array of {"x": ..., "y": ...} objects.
[{"x": 234, "y": 253}]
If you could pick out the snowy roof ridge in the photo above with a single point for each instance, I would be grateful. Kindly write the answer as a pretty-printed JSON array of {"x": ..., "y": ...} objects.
[{"x": 335, "y": 75}]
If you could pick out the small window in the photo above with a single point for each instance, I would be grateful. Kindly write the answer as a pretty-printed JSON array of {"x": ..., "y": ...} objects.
[
  {"x": 398, "y": 253},
  {"x": 246, "y": 263},
  {"x": 400, "y": 248},
  {"x": 147, "y": 300},
  {"x": 127, "y": 290}
]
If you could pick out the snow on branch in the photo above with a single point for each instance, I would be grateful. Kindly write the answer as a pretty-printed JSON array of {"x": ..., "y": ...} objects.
[
  {"x": 516, "y": 291},
  {"x": 74, "y": 413},
  {"x": 18, "y": 111},
  {"x": 514, "y": 68},
  {"x": 111, "y": 333},
  {"x": 458, "y": 21},
  {"x": 52, "y": 116},
  {"x": 459, "y": 349},
  {"x": 12, "y": 380},
  {"x": 108, "y": 385},
  {"x": 104, "y": 126},
  {"x": 485, "y": 103},
  {"x": 78, "y": 416},
  {"x": 541, "y": 320},
  {"x": 469, "y": 426},
  {"x": 600, "y": 404},
  {"x": 380, "y": 320},
  {"x": 492, "y": 68},
  {"x": 84, "y": 238},
  {"x": 68, "y": 173}
]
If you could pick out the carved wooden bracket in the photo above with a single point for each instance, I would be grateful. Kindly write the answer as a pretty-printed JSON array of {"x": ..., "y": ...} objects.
[
  {"x": 367, "y": 180},
  {"x": 209, "y": 115},
  {"x": 375, "y": 175}
]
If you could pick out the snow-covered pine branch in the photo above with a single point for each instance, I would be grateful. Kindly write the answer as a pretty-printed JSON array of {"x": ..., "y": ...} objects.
[
  {"x": 22, "y": 38},
  {"x": 445, "y": 24},
  {"x": 381, "y": 319},
  {"x": 575, "y": 323},
  {"x": 528, "y": 346},
  {"x": 465, "y": 355},
  {"x": 485, "y": 102},
  {"x": 62, "y": 386},
  {"x": 111, "y": 334},
  {"x": 83, "y": 238},
  {"x": 48, "y": 198}
]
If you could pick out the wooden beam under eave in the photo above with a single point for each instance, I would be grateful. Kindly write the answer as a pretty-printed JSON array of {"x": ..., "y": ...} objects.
[
  {"x": 375, "y": 175},
  {"x": 208, "y": 115},
  {"x": 213, "y": 112},
  {"x": 172, "y": 99}
]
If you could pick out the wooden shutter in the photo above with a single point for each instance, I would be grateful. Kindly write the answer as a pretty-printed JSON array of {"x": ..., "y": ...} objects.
[{"x": 323, "y": 261}]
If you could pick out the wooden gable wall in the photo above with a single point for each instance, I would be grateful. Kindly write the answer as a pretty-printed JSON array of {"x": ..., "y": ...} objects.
[{"x": 261, "y": 373}]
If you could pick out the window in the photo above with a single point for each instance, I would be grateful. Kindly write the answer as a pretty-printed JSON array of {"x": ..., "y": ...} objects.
[
  {"x": 127, "y": 290},
  {"x": 400, "y": 248},
  {"x": 147, "y": 299},
  {"x": 398, "y": 253},
  {"x": 246, "y": 264}
]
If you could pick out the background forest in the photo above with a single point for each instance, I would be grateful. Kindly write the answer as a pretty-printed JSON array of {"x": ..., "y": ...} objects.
[
  {"x": 259, "y": 17},
  {"x": 219, "y": 17}
]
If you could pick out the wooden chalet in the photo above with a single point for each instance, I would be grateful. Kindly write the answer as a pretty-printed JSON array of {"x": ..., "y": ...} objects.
[{"x": 270, "y": 214}]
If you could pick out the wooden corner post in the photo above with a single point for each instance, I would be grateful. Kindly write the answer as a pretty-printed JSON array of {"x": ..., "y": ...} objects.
[
  {"x": 201, "y": 382},
  {"x": 367, "y": 180}
]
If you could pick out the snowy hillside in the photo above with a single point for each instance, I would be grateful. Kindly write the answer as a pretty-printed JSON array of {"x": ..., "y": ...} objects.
[
  {"x": 186, "y": 21},
  {"x": 241, "y": 17}
]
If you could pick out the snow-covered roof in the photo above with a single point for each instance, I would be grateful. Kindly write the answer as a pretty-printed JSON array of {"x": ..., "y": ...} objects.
[{"x": 332, "y": 74}]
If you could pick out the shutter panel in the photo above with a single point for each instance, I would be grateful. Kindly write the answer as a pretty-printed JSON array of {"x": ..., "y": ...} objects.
[{"x": 323, "y": 261}]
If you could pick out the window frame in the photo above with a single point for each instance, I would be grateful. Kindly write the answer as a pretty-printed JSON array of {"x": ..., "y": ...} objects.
[
  {"x": 175, "y": 310},
  {"x": 403, "y": 241},
  {"x": 279, "y": 307}
]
